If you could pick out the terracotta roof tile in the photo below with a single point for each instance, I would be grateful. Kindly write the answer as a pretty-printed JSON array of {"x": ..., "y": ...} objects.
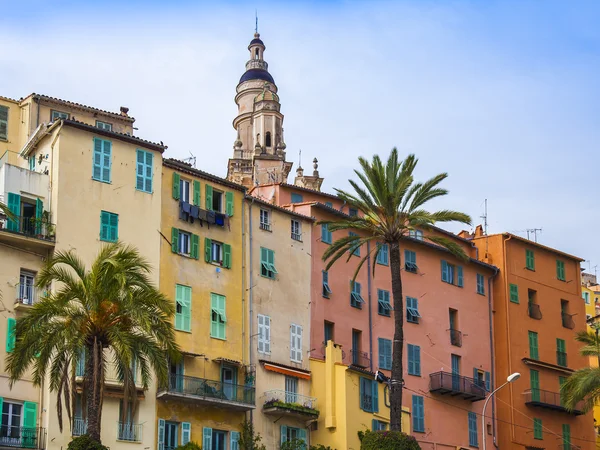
[{"x": 81, "y": 106}]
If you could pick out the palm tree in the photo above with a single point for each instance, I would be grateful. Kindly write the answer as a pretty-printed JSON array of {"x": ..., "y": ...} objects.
[
  {"x": 584, "y": 384},
  {"x": 391, "y": 204},
  {"x": 110, "y": 314}
]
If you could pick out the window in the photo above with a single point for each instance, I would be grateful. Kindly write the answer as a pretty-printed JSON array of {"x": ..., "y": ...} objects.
[
  {"x": 26, "y": 287},
  {"x": 561, "y": 352},
  {"x": 109, "y": 226},
  {"x": 296, "y": 343},
  {"x": 143, "y": 181},
  {"x": 352, "y": 212},
  {"x": 104, "y": 125},
  {"x": 533, "y": 345},
  {"x": 414, "y": 360},
  {"x": 297, "y": 198},
  {"x": 369, "y": 401},
  {"x": 181, "y": 242},
  {"x": 537, "y": 429},
  {"x": 13, "y": 418},
  {"x": 383, "y": 254},
  {"x": 264, "y": 334},
  {"x": 217, "y": 200},
  {"x": 184, "y": 190},
  {"x": 268, "y": 139},
  {"x": 326, "y": 236},
  {"x": 3, "y": 123},
  {"x": 57, "y": 115},
  {"x": 356, "y": 299},
  {"x": 218, "y": 318},
  {"x": 11, "y": 326},
  {"x": 383, "y": 300},
  {"x": 183, "y": 311},
  {"x": 416, "y": 234},
  {"x": 328, "y": 330},
  {"x": 355, "y": 248},
  {"x": 215, "y": 440},
  {"x": 289, "y": 434},
  {"x": 329, "y": 204},
  {"x": 267, "y": 263},
  {"x": 418, "y": 414},
  {"x": 473, "y": 430},
  {"x": 32, "y": 162},
  {"x": 378, "y": 425},
  {"x": 452, "y": 274},
  {"x": 566, "y": 436},
  {"x": 560, "y": 270},
  {"x": 385, "y": 354},
  {"x": 410, "y": 261},
  {"x": 534, "y": 385},
  {"x": 291, "y": 389},
  {"x": 480, "y": 284},
  {"x": 529, "y": 260},
  {"x": 412, "y": 310},
  {"x": 296, "y": 230},
  {"x": 326, "y": 288},
  {"x": 514, "y": 293},
  {"x": 586, "y": 297},
  {"x": 102, "y": 160},
  {"x": 216, "y": 252},
  {"x": 479, "y": 377},
  {"x": 265, "y": 220}
]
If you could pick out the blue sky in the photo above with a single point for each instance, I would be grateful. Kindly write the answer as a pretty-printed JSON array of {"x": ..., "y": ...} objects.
[{"x": 504, "y": 96}]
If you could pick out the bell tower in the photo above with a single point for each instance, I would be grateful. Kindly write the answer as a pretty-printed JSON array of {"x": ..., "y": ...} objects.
[{"x": 259, "y": 149}]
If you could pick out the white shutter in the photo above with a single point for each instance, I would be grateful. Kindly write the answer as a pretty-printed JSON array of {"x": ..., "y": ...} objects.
[
  {"x": 293, "y": 342},
  {"x": 261, "y": 345},
  {"x": 298, "y": 343},
  {"x": 267, "y": 334}
]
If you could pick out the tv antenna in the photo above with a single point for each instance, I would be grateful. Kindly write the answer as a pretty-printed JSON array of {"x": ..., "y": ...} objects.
[
  {"x": 191, "y": 160},
  {"x": 485, "y": 226},
  {"x": 534, "y": 232}
]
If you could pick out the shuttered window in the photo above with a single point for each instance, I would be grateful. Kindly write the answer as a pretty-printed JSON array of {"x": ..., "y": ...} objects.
[
  {"x": 383, "y": 256},
  {"x": 384, "y": 307},
  {"x": 480, "y": 284},
  {"x": 529, "y": 259},
  {"x": 561, "y": 352},
  {"x": 560, "y": 270},
  {"x": 267, "y": 263},
  {"x": 109, "y": 226},
  {"x": 3, "y": 123},
  {"x": 473, "y": 430},
  {"x": 533, "y": 345},
  {"x": 104, "y": 125},
  {"x": 452, "y": 274},
  {"x": 566, "y": 436},
  {"x": 264, "y": 334},
  {"x": 414, "y": 360},
  {"x": 410, "y": 261},
  {"x": 229, "y": 203},
  {"x": 355, "y": 249},
  {"x": 296, "y": 343},
  {"x": 102, "y": 160},
  {"x": 183, "y": 312},
  {"x": 356, "y": 299},
  {"x": 326, "y": 235},
  {"x": 11, "y": 326},
  {"x": 412, "y": 310},
  {"x": 186, "y": 432},
  {"x": 144, "y": 171},
  {"x": 369, "y": 395},
  {"x": 418, "y": 414},
  {"x": 537, "y": 429},
  {"x": 385, "y": 354},
  {"x": 514, "y": 293},
  {"x": 218, "y": 316},
  {"x": 326, "y": 288}
]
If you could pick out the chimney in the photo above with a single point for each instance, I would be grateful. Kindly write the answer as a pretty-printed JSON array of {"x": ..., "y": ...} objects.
[{"x": 124, "y": 111}]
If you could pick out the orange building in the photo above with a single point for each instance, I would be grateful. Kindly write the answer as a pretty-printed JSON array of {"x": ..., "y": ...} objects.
[{"x": 537, "y": 311}]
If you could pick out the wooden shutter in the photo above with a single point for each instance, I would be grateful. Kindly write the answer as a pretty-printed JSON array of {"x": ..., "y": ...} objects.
[
  {"x": 30, "y": 415},
  {"x": 267, "y": 334},
  {"x": 514, "y": 293},
  {"x": 302, "y": 434},
  {"x": 14, "y": 205},
  {"x": 472, "y": 429},
  {"x": 227, "y": 256},
  {"x": 214, "y": 323},
  {"x": 361, "y": 393},
  {"x": 229, "y": 203},
  {"x": 417, "y": 358},
  {"x": 187, "y": 310},
  {"x": 196, "y": 197},
  {"x": 234, "y": 438},
  {"x": 195, "y": 246},
  {"x": 176, "y": 188},
  {"x": 293, "y": 342},
  {"x": 445, "y": 271},
  {"x": 161, "y": 434},
  {"x": 11, "y": 325},
  {"x": 39, "y": 208},
  {"x": 113, "y": 227},
  {"x": 207, "y": 438},
  {"x": 207, "y": 249},
  {"x": 186, "y": 432},
  {"x": 106, "y": 161},
  {"x": 381, "y": 355},
  {"x": 533, "y": 345},
  {"x": 459, "y": 271},
  {"x": 222, "y": 310},
  {"x": 97, "y": 160},
  {"x": 178, "y": 300},
  {"x": 209, "y": 197},
  {"x": 487, "y": 381},
  {"x": 174, "y": 240},
  {"x": 261, "y": 333},
  {"x": 283, "y": 434}
]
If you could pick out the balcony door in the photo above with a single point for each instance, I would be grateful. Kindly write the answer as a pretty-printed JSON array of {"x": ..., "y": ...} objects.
[
  {"x": 455, "y": 372},
  {"x": 10, "y": 429},
  {"x": 229, "y": 380},
  {"x": 171, "y": 432},
  {"x": 176, "y": 377}
]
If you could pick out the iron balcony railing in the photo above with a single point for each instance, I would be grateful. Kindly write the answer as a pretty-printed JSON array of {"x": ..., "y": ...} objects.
[
  {"x": 534, "y": 311},
  {"x": 567, "y": 321},
  {"x": 27, "y": 294},
  {"x": 276, "y": 397},
  {"x": 79, "y": 426},
  {"x": 22, "y": 437},
  {"x": 296, "y": 236},
  {"x": 360, "y": 359},
  {"x": 456, "y": 385},
  {"x": 265, "y": 226},
  {"x": 561, "y": 358},
  {"x": 218, "y": 390},
  {"x": 455, "y": 337},
  {"x": 29, "y": 226},
  {"x": 550, "y": 400},
  {"x": 127, "y": 431}
]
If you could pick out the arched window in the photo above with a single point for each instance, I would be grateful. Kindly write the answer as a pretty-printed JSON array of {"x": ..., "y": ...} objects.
[
  {"x": 256, "y": 54},
  {"x": 268, "y": 139}
]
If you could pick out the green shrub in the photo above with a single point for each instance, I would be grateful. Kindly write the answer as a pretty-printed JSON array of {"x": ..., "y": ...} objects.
[
  {"x": 387, "y": 440},
  {"x": 189, "y": 446},
  {"x": 320, "y": 447},
  {"x": 249, "y": 439},
  {"x": 85, "y": 442},
  {"x": 295, "y": 444}
]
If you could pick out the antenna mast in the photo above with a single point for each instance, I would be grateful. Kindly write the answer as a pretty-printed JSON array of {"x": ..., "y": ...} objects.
[
  {"x": 191, "y": 160},
  {"x": 485, "y": 226},
  {"x": 533, "y": 231}
]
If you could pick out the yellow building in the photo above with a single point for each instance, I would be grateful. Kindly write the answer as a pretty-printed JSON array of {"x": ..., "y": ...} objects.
[
  {"x": 202, "y": 269},
  {"x": 590, "y": 292},
  {"x": 74, "y": 183}
]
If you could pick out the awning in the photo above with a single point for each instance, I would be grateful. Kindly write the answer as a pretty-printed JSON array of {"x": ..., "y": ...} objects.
[
  {"x": 228, "y": 361},
  {"x": 286, "y": 370}
]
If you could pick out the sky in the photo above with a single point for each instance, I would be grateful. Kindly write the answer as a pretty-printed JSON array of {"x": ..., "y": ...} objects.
[{"x": 504, "y": 96}]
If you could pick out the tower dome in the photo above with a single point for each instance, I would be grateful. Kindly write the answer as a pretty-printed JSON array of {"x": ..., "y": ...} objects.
[{"x": 256, "y": 67}]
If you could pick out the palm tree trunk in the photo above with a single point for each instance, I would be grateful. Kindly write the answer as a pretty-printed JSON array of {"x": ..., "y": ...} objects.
[
  {"x": 398, "y": 347},
  {"x": 93, "y": 379}
]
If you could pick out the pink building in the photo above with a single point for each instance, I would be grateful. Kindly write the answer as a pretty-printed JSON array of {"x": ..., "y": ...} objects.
[{"x": 448, "y": 348}]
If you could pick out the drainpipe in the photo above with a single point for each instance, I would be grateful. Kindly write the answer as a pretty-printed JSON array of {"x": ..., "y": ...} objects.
[
  {"x": 506, "y": 302},
  {"x": 493, "y": 369},
  {"x": 251, "y": 313},
  {"x": 370, "y": 312}
]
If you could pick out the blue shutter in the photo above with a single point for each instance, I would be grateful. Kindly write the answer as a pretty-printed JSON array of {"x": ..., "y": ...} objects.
[
  {"x": 302, "y": 434},
  {"x": 487, "y": 382},
  {"x": 207, "y": 437},
  {"x": 161, "y": 434},
  {"x": 375, "y": 387},
  {"x": 361, "y": 393},
  {"x": 411, "y": 361},
  {"x": 473, "y": 429},
  {"x": 459, "y": 271},
  {"x": 186, "y": 432},
  {"x": 475, "y": 373},
  {"x": 445, "y": 271},
  {"x": 381, "y": 353},
  {"x": 14, "y": 205},
  {"x": 417, "y": 355},
  {"x": 283, "y": 434},
  {"x": 97, "y": 160},
  {"x": 418, "y": 413},
  {"x": 234, "y": 440}
]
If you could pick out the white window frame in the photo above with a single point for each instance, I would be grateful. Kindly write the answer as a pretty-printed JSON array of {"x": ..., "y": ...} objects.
[
  {"x": 264, "y": 334},
  {"x": 216, "y": 249},
  {"x": 291, "y": 389},
  {"x": 416, "y": 234},
  {"x": 26, "y": 287},
  {"x": 296, "y": 343},
  {"x": 185, "y": 240},
  {"x": 104, "y": 125},
  {"x": 9, "y": 425},
  {"x": 296, "y": 230},
  {"x": 265, "y": 219},
  {"x": 184, "y": 190}
]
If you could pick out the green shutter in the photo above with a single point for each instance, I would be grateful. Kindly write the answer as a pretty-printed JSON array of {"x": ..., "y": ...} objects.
[
  {"x": 14, "y": 205},
  {"x": 566, "y": 429},
  {"x": 11, "y": 325},
  {"x": 207, "y": 249},
  {"x": 529, "y": 259},
  {"x": 39, "y": 208},
  {"x": 196, "y": 198},
  {"x": 534, "y": 378},
  {"x": 113, "y": 227},
  {"x": 375, "y": 388},
  {"x": 283, "y": 434},
  {"x": 514, "y": 293},
  {"x": 227, "y": 256},
  {"x": 178, "y": 300},
  {"x": 537, "y": 429},
  {"x": 209, "y": 197},
  {"x": 30, "y": 414},
  {"x": 229, "y": 203},
  {"x": 560, "y": 270},
  {"x": 195, "y": 246},
  {"x": 533, "y": 345},
  {"x": 176, "y": 188},
  {"x": 459, "y": 271},
  {"x": 174, "y": 240}
]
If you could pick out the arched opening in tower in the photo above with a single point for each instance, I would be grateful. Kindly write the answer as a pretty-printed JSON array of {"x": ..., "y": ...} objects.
[{"x": 268, "y": 139}]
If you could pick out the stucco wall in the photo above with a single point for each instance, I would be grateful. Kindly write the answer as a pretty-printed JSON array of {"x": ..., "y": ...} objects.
[{"x": 14, "y": 119}]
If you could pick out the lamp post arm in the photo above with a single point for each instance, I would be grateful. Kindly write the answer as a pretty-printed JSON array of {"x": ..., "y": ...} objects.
[{"x": 483, "y": 412}]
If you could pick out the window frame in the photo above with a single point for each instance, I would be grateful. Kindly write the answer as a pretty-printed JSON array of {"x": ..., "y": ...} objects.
[
  {"x": 217, "y": 199},
  {"x": 264, "y": 219},
  {"x": 296, "y": 230},
  {"x": 267, "y": 268},
  {"x": 103, "y": 125},
  {"x": 219, "y": 247},
  {"x": 184, "y": 193},
  {"x": 480, "y": 284},
  {"x": 180, "y": 243},
  {"x": 296, "y": 198},
  {"x": 412, "y": 310},
  {"x": 356, "y": 300},
  {"x": 383, "y": 255},
  {"x": 101, "y": 153},
  {"x": 55, "y": 113},
  {"x": 144, "y": 167},
  {"x": 384, "y": 306},
  {"x": 325, "y": 280},
  {"x": 410, "y": 266},
  {"x": 296, "y": 337},
  {"x": 109, "y": 227}
]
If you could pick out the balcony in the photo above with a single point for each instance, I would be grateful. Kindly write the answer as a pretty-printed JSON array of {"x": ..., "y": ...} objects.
[
  {"x": 265, "y": 226},
  {"x": 26, "y": 296},
  {"x": 534, "y": 311},
  {"x": 22, "y": 437},
  {"x": 79, "y": 427},
  {"x": 455, "y": 337},
  {"x": 446, "y": 383},
  {"x": 567, "y": 321},
  {"x": 129, "y": 432},
  {"x": 279, "y": 403},
  {"x": 360, "y": 359},
  {"x": 209, "y": 392},
  {"x": 28, "y": 231},
  {"x": 549, "y": 400}
]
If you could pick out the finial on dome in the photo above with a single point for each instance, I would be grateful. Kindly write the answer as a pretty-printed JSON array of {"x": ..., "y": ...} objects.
[
  {"x": 237, "y": 144},
  {"x": 316, "y": 167}
]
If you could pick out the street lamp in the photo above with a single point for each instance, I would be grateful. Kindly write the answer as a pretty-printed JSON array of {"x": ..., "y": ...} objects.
[{"x": 515, "y": 376}]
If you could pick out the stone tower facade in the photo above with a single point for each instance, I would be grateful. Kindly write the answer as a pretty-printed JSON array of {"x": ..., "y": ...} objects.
[{"x": 259, "y": 149}]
